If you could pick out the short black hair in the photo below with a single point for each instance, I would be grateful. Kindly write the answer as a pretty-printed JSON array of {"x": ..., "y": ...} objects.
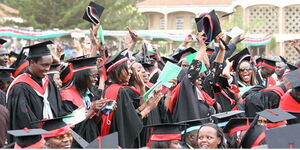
[{"x": 35, "y": 59}]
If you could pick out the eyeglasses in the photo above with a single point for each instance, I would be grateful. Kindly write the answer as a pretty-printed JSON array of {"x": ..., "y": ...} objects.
[{"x": 245, "y": 68}]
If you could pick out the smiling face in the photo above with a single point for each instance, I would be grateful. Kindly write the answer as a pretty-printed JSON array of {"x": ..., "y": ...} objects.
[
  {"x": 41, "y": 67},
  {"x": 208, "y": 138},
  {"x": 63, "y": 141},
  {"x": 245, "y": 72},
  {"x": 140, "y": 70}
]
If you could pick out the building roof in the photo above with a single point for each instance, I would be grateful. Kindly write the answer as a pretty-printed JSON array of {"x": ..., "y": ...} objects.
[
  {"x": 183, "y": 2},
  {"x": 6, "y": 10}
]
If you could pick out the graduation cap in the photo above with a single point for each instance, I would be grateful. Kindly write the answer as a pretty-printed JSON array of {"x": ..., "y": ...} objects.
[
  {"x": 276, "y": 115},
  {"x": 180, "y": 55},
  {"x": 237, "y": 124},
  {"x": 294, "y": 78},
  {"x": 83, "y": 63},
  {"x": 269, "y": 63},
  {"x": 209, "y": 22},
  {"x": 13, "y": 55},
  {"x": 53, "y": 69},
  {"x": 161, "y": 132},
  {"x": 39, "y": 49},
  {"x": 66, "y": 73},
  {"x": 82, "y": 142},
  {"x": 254, "y": 136},
  {"x": 5, "y": 73},
  {"x": 258, "y": 61},
  {"x": 292, "y": 67},
  {"x": 110, "y": 141},
  {"x": 239, "y": 57},
  {"x": 225, "y": 116},
  {"x": 56, "y": 127},
  {"x": 147, "y": 65},
  {"x": 210, "y": 50},
  {"x": 194, "y": 124},
  {"x": 227, "y": 14},
  {"x": 2, "y": 41},
  {"x": 166, "y": 59},
  {"x": 115, "y": 61},
  {"x": 283, "y": 60},
  {"x": 93, "y": 13},
  {"x": 284, "y": 137},
  {"x": 20, "y": 64},
  {"x": 29, "y": 138}
]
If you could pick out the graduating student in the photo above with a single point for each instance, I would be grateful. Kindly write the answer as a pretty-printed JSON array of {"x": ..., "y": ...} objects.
[
  {"x": 290, "y": 101},
  {"x": 79, "y": 94},
  {"x": 244, "y": 70},
  {"x": 3, "y": 54},
  {"x": 5, "y": 81},
  {"x": 264, "y": 74},
  {"x": 32, "y": 96},
  {"x": 60, "y": 134},
  {"x": 126, "y": 119},
  {"x": 160, "y": 137}
]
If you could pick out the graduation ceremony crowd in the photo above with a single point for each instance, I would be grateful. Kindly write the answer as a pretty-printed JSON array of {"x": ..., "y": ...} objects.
[{"x": 212, "y": 95}]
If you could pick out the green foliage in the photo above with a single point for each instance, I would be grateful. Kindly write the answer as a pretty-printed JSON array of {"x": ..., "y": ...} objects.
[{"x": 67, "y": 14}]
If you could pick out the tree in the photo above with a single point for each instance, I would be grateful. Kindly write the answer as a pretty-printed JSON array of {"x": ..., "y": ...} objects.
[{"x": 67, "y": 14}]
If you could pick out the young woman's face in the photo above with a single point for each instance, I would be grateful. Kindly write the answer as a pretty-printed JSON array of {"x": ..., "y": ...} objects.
[
  {"x": 208, "y": 138},
  {"x": 175, "y": 144},
  {"x": 245, "y": 72},
  {"x": 140, "y": 70},
  {"x": 124, "y": 75}
]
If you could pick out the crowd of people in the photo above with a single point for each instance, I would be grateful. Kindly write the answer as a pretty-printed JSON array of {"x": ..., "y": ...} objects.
[{"x": 210, "y": 96}]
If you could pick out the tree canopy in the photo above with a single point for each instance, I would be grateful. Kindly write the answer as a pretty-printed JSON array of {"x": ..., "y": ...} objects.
[{"x": 67, "y": 14}]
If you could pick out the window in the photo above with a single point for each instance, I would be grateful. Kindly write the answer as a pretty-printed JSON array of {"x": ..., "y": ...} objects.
[
  {"x": 162, "y": 23},
  {"x": 179, "y": 23}
]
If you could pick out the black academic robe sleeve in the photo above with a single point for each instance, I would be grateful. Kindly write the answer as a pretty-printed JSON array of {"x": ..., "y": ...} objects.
[
  {"x": 260, "y": 101},
  {"x": 2, "y": 98},
  {"x": 126, "y": 121}
]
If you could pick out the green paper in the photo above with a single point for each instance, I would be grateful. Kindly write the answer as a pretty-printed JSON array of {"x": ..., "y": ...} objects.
[
  {"x": 245, "y": 89},
  {"x": 156, "y": 87},
  {"x": 169, "y": 72},
  {"x": 190, "y": 59},
  {"x": 101, "y": 35},
  {"x": 76, "y": 116}
]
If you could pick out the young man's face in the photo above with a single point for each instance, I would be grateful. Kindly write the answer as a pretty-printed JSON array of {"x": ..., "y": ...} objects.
[{"x": 42, "y": 66}]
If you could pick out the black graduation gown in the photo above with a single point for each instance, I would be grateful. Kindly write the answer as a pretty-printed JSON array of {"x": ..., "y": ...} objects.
[
  {"x": 25, "y": 106},
  {"x": 291, "y": 104},
  {"x": 2, "y": 98},
  {"x": 187, "y": 105},
  {"x": 87, "y": 129},
  {"x": 126, "y": 121},
  {"x": 224, "y": 101},
  {"x": 261, "y": 100}
]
